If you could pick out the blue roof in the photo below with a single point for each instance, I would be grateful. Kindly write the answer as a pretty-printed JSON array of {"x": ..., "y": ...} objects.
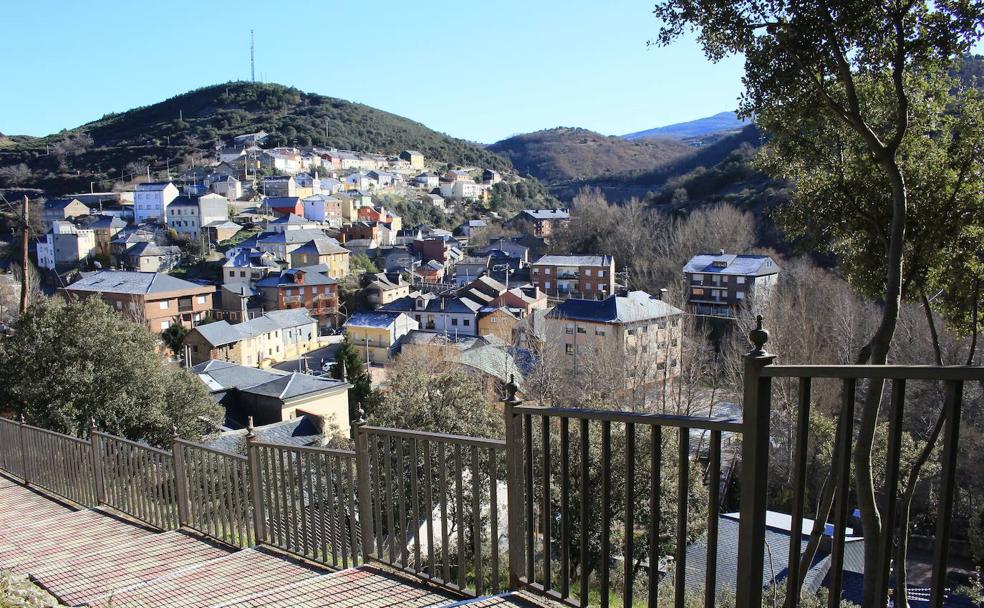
[{"x": 732, "y": 264}]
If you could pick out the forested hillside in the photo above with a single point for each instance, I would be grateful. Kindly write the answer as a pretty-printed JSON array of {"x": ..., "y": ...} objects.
[{"x": 183, "y": 129}]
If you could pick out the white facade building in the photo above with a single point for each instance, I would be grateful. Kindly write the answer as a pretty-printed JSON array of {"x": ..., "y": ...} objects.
[{"x": 150, "y": 200}]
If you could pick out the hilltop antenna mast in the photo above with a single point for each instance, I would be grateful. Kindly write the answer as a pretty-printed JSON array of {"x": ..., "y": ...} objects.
[{"x": 252, "y": 58}]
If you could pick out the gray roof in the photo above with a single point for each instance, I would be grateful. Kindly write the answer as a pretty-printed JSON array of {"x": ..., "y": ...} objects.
[
  {"x": 60, "y": 203},
  {"x": 546, "y": 214},
  {"x": 321, "y": 246},
  {"x": 293, "y": 218},
  {"x": 222, "y": 332},
  {"x": 311, "y": 277},
  {"x": 732, "y": 264},
  {"x": 293, "y": 237},
  {"x": 300, "y": 431},
  {"x": 223, "y": 375},
  {"x": 574, "y": 260},
  {"x": 373, "y": 319},
  {"x": 635, "y": 307},
  {"x": 106, "y": 221},
  {"x": 776, "y": 559},
  {"x": 121, "y": 281},
  {"x": 153, "y": 186},
  {"x": 150, "y": 249}
]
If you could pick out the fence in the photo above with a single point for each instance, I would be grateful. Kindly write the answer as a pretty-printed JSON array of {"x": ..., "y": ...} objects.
[
  {"x": 585, "y": 492},
  {"x": 435, "y": 505}
]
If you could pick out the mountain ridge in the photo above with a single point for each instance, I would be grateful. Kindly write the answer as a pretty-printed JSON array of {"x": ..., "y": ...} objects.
[
  {"x": 177, "y": 132},
  {"x": 708, "y": 125}
]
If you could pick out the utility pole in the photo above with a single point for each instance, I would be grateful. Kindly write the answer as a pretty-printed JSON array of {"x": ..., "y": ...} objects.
[{"x": 25, "y": 258}]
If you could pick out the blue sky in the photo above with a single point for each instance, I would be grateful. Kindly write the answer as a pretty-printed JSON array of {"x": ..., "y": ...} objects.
[{"x": 478, "y": 70}]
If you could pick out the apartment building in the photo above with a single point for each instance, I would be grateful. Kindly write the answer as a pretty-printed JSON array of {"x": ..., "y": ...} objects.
[
  {"x": 589, "y": 277},
  {"x": 150, "y": 200},
  {"x": 155, "y": 299},
  {"x": 720, "y": 284},
  {"x": 639, "y": 330}
]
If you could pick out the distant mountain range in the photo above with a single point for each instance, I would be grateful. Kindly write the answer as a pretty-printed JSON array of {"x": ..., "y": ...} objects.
[
  {"x": 721, "y": 122},
  {"x": 565, "y": 154}
]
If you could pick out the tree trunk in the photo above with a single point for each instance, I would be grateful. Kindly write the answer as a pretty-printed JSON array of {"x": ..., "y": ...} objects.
[{"x": 877, "y": 351}]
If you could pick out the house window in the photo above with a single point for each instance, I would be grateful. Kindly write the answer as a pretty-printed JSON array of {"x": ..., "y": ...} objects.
[
  {"x": 569, "y": 349},
  {"x": 601, "y": 287},
  {"x": 569, "y": 330},
  {"x": 546, "y": 284},
  {"x": 582, "y": 330},
  {"x": 536, "y": 270},
  {"x": 740, "y": 280},
  {"x": 454, "y": 322},
  {"x": 587, "y": 272},
  {"x": 546, "y": 271},
  {"x": 201, "y": 299},
  {"x": 232, "y": 274},
  {"x": 493, "y": 320},
  {"x": 165, "y": 325},
  {"x": 163, "y": 305},
  {"x": 467, "y": 322},
  {"x": 599, "y": 332},
  {"x": 588, "y": 287},
  {"x": 740, "y": 295},
  {"x": 119, "y": 305},
  {"x": 242, "y": 273},
  {"x": 601, "y": 274}
]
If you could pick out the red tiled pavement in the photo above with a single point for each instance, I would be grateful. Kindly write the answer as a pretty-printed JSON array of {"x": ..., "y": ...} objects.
[
  {"x": 365, "y": 586},
  {"x": 235, "y": 576},
  {"x": 90, "y": 576}
]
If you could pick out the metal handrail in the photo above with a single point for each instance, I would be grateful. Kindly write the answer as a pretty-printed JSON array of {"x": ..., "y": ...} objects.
[
  {"x": 729, "y": 424},
  {"x": 877, "y": 372},
  {"x": 443, "y": 437}
]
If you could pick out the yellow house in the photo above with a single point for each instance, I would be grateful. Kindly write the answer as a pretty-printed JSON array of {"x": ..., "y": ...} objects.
[
  {"x": 278, "y": 335},
  {"x": 500, "y": 323},
  {"x": 378, "y": 334},
  {"x": 322, "y": 251},
  {"x": 272, "y": 396}
]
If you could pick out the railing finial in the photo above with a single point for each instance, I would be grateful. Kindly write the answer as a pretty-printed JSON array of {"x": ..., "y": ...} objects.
[
  {"x": 360, "y": 417},
  {"x": 21, "y": 420},
  {"x": 758, "y": 337},
  {"x": 512, "y": 389},
  {"x": 250, "y": 431},
  {"x": 174, "y": 432},
  {"x": 92, "y": 425}
]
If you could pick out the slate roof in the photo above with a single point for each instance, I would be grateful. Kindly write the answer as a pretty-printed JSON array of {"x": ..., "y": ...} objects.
[
  {"x": 106, "y": 221},
  {"x": 150, "y": 249},
  {"x": 637, "y": 306},
  {"x": 282, "y": 202},
  {"x": 776, "y": 558},
  {"x": 121, "y": 281},
  {"x": 733, "y": 264},
  {"x": 153, "y": 186},
  {"x": 574, "y": 260},
  {"x": 283, "y": 279},
  {"x": 547, "y": 214},
  {"x": 432, "y": 304},
  {"x": 183, "y": 201},
  {"x": 223, "y": 375},
  {"x": 222, "y": 332},
  {"x": 373, "y": 319},
  {"x": 293, "y": 237},
  {"x": 321, "y": 247},
  {"x": 300, "y": 431},
  {"x": 293, "y": 219}
]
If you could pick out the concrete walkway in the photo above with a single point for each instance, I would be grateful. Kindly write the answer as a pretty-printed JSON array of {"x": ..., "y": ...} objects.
[{"x": 97, "y": 558}]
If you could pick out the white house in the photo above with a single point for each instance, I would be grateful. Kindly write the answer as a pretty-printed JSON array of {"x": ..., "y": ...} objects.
[
  {"x": 65, "y": 246},
  {"x": 188, "y": 215},
  {"x": 150, "y": 200}
]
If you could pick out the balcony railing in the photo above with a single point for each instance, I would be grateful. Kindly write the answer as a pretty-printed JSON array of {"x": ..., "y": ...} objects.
[{"x": 581, "y": 489}]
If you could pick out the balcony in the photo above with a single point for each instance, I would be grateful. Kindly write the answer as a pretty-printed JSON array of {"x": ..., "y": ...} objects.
[{"x": 570, "y": 482}]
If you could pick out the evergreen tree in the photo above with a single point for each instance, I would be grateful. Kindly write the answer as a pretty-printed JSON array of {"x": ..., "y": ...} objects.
[{"x": 349, "y": 365}]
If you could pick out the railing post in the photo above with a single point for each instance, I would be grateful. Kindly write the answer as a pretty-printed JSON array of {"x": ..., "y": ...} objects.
[
  {"x": 97, "y": 472},
  {"x": 515, "y": 491},
  {"x": 362, "y": 474},
  {"x": 756, "y": 410},
  {"x": 180, "y": 478},
  {"x": 256, "y": 484},
  {"x": 25, "y": 469}
]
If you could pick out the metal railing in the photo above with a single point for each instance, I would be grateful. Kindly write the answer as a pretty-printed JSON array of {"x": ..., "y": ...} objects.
[
  {"x": 136, "y": 479},
  {"x": 586, "y": 493},
  {"x": 434, "y": 505},
  {"x": 214, "y": 495},
  {"x": 305, "y": 501},
  {"x": 564, "y": 511}
]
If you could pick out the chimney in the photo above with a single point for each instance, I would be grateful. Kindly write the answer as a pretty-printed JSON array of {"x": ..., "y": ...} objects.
[
  {"x": 722, "y": 252},
  {"x": 661, "y": 295}
]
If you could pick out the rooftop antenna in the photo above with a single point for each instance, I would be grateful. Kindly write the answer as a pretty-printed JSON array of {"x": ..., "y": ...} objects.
[{"x": 252, "y": 58}]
